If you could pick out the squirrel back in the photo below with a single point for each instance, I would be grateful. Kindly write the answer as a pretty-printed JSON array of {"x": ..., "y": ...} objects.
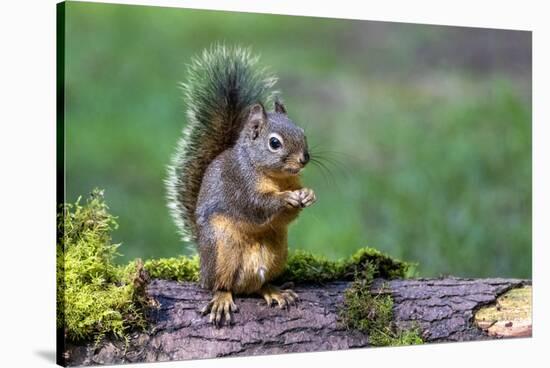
[{"x": 221, "y": 86}]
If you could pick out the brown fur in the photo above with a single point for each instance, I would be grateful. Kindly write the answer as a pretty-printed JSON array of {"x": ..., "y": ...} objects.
[{"x": 245, "y": 248}]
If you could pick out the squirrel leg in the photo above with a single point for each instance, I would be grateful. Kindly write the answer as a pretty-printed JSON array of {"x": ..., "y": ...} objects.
[
  {"x": 221, "y": 305},
  {"x": 283, "y": 297}
]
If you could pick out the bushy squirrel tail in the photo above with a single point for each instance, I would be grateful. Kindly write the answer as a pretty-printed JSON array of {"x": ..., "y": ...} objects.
[{"x": 221, "y": 84}]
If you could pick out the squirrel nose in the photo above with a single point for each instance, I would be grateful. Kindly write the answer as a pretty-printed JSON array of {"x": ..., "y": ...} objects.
[{"x": 305, "y": 158}]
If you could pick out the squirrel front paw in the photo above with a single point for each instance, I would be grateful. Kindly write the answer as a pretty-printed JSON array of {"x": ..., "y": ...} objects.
[
  {"x": 307, "y": 197},
  {"x": 293, "y": 199},
  {"x": 300, "y": 198}
]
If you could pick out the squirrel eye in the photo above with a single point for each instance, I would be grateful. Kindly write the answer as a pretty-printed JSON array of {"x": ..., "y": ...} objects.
[{"x": 275, "y": 143}]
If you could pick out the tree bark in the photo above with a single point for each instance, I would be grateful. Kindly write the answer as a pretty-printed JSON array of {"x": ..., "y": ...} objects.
[{"x": 443, "y": 309}]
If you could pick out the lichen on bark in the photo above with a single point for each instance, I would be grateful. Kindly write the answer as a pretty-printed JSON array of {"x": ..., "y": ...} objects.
[{"x": 509, "y": 316}]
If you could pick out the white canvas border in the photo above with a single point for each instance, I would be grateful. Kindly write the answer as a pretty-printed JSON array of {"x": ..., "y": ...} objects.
[{"x": 27, "y": 154}]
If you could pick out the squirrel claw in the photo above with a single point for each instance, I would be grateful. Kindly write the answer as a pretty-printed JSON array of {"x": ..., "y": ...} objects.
[
  {"x": 220, "y": 308},
  {"x": 284, "y": 298},
  {"x": 204, "y": 311},
  {"x": 293, "y": 199},
  {"x": 307, "y": 197}
]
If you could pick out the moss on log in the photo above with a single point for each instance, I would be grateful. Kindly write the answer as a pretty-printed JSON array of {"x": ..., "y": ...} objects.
[{"x": 443, "y": 310}]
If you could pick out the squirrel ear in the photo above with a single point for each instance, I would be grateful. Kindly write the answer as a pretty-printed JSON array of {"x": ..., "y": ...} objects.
[
  {"x": 279, "y": 107},
  {"x": 256, "y": 118}
]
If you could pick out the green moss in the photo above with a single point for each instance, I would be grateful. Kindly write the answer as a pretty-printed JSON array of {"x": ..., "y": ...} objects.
[
  {"x": 305, "y": 267},
  {"x": 95, "y": 296},
  {"x": 371, "y": 313},
  {"x": 177, "y": 268},
  {"x": 411, "y": 336},
  {"x": 381, "y": 265}
]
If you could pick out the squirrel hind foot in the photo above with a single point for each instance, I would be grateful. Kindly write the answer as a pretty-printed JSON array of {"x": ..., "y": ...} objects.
[
  {"x": 283, "y": 297},
  {"x": 220, "y": 308}
]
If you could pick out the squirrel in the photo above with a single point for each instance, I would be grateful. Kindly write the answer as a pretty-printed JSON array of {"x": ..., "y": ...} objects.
[{"x": 234, "y": 181}]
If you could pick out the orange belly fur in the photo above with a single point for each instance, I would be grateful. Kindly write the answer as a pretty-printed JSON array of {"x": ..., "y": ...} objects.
[{"x": 249, "y": 255}]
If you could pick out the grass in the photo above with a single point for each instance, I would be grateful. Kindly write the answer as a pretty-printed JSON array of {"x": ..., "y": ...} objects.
[{"x": 430, "y": 143}]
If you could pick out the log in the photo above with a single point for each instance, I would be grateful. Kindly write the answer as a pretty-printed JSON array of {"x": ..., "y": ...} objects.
[{"x": 443, "y": 309}]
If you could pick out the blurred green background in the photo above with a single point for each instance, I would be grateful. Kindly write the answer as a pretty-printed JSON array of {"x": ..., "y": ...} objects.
[{"x": 428, "y": 129}]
